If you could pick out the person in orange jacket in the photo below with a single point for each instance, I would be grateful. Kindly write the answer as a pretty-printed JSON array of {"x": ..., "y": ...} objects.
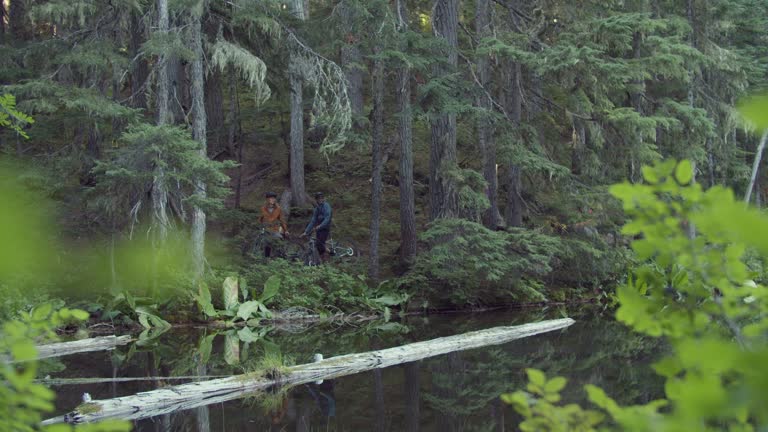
[{"x": 273, "y": 220}]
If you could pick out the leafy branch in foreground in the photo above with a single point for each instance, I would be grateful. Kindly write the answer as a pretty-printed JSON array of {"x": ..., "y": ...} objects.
[{"x": 694, "y": 289}]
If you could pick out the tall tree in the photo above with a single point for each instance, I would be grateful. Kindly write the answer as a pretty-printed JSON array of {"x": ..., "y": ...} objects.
[
  {"x": 405, "y": 138},
  {"x": 199, "y": 133},
  {"x": 443, "y": 193},
  {"x": 296, "y": 81},
  {"x": 485, "y": 136},
  {"x": 351, "y": 60},
  {"x": 159, "y": 190},
  {"x": 377, "y": 136}
]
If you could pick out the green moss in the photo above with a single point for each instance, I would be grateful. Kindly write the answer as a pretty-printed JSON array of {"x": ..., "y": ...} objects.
[{"x": 89, "y": 408}]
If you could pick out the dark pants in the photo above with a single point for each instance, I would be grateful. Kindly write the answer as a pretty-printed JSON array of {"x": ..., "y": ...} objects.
[{"x": 322, "y": 237}]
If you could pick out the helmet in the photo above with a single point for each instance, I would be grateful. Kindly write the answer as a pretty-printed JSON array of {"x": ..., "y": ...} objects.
[
  {"x": 319, "y": 195},
  {"x": 270, "y": 195}
]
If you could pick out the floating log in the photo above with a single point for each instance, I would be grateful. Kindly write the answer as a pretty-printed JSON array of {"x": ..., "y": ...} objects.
[
  {"x": 192, "y": 395},
  {"x": 101, "y": 343},
  {"x": 82, "y": 381}
]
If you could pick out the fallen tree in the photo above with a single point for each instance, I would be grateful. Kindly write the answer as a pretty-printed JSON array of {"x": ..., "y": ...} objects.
[
  {"x": 192, "y": 395},
  {"x": 102, "y": 343}
]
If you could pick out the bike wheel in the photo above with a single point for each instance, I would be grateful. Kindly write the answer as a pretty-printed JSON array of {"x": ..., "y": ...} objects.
[
  {"x": 292, "y": 250},
  {"x": 345, "y": 250},
  {"x": 311, "y": 257}
]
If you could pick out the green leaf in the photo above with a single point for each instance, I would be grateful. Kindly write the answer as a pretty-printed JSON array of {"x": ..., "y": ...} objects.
[
  {"x": 23, "y": 351},
  {"x": 555, "y": 385},
  {"x": 80, "y": 315},
  {"x": 649, "y": 174},
  {"x": 247, "y": 309},
  {"x": 536, "y": 377},
  {"x": 271, "y": 288},
  {"x": 42, "y": 312},
  {"x": 684, "y": 172},
  {"x": 246, "y": 335},
  {"x": 205, "y": 347},
  {"x": 232, "y": 349},
  {"x": 231, "y": 292}
]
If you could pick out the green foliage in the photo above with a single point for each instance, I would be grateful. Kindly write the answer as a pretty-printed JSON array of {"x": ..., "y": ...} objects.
[
  {"x": 323, "y": 289},
  {"x": 23, "y": 402},
  {"x": 537, "y": 406},
  {"x": 10, "y": 117},
  {"x": 693, "y": 288},
  {"x": 233, "y": 307},
  {"x": 468, "y": 263},
  {"x": 127, "y": 175},
  {"x": 252, "y": 68}
]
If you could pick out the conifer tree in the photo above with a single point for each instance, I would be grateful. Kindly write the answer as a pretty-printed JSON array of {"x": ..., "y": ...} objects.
[{"x": 443, "y": 190}]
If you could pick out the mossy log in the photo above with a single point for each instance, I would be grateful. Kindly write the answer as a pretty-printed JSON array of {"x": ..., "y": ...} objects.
[{"x": 192, "y": 395}]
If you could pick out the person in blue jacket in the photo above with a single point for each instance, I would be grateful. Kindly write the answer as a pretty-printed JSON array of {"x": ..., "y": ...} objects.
[{"x": 320, "y": 225}]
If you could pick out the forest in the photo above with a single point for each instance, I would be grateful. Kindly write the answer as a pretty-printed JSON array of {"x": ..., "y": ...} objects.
[{"x": 236, "y": 164}]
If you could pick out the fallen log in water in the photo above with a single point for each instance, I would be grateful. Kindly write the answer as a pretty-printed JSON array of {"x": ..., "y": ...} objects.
[
  {"x": 101, "y": 343},
  {"x": 192, "y": 395}
]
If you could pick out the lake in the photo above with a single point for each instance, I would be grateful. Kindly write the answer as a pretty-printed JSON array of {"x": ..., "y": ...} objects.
[{"x": 454, "y": 392}]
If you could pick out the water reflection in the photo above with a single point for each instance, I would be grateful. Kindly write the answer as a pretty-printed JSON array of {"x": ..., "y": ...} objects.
[{"x": 454, "y": 392}]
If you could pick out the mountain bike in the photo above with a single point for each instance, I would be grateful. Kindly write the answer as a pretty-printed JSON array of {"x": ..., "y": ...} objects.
[
  {"x": 281, "y": 247},
  {"x": 345, "y": 251}
]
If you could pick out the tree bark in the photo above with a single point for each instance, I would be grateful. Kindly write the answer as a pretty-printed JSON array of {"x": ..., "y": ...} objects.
[
  {"x": 513, "y": 213},
  {"x": 102, "y": 343},
  {"x": 199, "y": 134},
  {"x": 377, "y": 136},
  {"x": 3, "y": 15},
  {"x": 139, "y": 69},
  {"x": 351, "y": 60},
  {"x": 232, "y": 133},
  {"x": 405, "y": 135},
  {"x": 193, "y": 395},
  {"x": 756, "y": 166},
  {"x": 443, "y": 193},
  {"x": 159, "y": 191},
  {"x": 214, "y": 111},
  {"x": 18, "y": 20},
  {"x": 298, "y": 188},
  {"x": 485, "y": 136}
]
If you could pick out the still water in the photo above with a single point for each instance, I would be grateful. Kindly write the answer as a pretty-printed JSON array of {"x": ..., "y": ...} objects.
[{"x": 454, "y": 392}]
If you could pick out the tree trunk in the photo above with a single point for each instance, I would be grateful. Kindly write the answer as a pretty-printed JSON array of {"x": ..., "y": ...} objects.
[
  {"x": 139, "y": 69},
  {"x": 351, "y": 61},
  {"x": 3, "y": 15},
  {"x": 513, "y": 213},
  {"x": 159, "y": 191},
  {"x": 405, "y": 134},
  {"x": 377, "y": 136},
  {"x": 192, "y": 395},
  {"x": 443, "y": 193},
  {"x": 214, "y": 111},
  {"x": 412, "y": 396},
  {"x": 102, "y": 343},
  {"x": 298, "y": 188},
  {"x": 485, "y": 136},
  {"x": 233, "y": 132},
  {"x": 300, "y": 10},
  {"x": 756, "y": 166},
  {"x": 18, "y": 20},
  {"x": 199, "y": 124}
]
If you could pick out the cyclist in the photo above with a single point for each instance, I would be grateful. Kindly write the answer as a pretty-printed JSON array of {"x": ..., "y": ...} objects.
[
  {"x": 273, "y": 220},
  {"x": 320, "y": 225}
]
